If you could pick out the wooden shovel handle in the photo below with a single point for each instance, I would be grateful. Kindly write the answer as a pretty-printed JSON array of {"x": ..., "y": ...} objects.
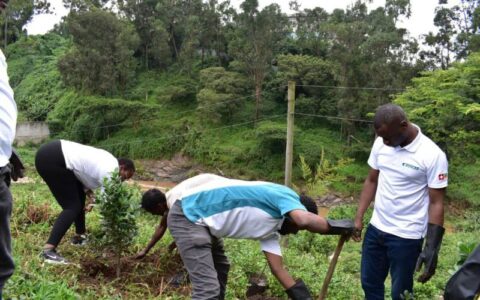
[{"x": 331, "y": 267}]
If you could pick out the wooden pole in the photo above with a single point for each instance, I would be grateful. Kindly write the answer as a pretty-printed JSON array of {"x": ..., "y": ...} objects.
[
  {"x": 331, "y": 267},
  {"x": 290, "y": 124}
]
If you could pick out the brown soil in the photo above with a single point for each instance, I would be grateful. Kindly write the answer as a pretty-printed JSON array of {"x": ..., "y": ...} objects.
[
  {"x": 38, "y": 213},
  {"x": 157, "y": 275}
]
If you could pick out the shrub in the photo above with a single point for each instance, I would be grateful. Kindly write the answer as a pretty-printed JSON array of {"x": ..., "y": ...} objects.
[{"x": 117, "y": 206}]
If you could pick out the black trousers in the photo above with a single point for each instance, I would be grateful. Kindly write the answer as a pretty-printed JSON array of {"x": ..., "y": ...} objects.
[
  {"x": 65, "y": 187},
  {"x": 6, "y": 260}
]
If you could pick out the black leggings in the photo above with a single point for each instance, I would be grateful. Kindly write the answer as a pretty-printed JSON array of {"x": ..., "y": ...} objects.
[{"x": 65, "y": 187}]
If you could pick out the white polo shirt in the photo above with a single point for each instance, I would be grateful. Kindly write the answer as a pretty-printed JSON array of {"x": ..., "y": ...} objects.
[
  {"x": 8, "y": 114},
  {"x": 406, "y": 174},
  {"x": 90, "y": 165}
]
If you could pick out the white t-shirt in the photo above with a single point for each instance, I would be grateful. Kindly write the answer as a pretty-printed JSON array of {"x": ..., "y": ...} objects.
[
  {"x": 90, "y": 165},
  {"x": 8, "y": 114},
  {"x": 406, "y": 174},
  {"x": 176, "y": 192},
  {"x": 237, "y": 208}
]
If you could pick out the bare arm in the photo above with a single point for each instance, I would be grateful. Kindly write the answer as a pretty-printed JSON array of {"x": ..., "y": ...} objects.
[
  {"x": 157, "y": 235},
  {"x": 275, "y": 262},
  {"x": 366, "y": 197},
  {"x": 90, "y": 200},
  {"x": 311, "y": 222},
  {"x": 435, "y": 209}
]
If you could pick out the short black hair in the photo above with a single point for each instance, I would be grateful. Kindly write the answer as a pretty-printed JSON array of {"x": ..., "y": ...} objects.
[
  {"x": 387, "y": 114},
  {"x": 127, "y": 164},
  {"x": 309, "y": 204},
  {"x": 152, "y": 198}
]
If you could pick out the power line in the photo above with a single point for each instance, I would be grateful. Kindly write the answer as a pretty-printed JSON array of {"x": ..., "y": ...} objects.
[
  {"x": 178, "y": 114},
  {"x": 334, "y": 117},
  {"x": 350, "y": 87},
  {"x": 142, "y": 140}
]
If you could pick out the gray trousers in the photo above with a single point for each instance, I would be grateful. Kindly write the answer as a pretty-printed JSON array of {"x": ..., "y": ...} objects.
[
  {"x": 6, "y": 260},
  {"x": 202, "y": 254}
]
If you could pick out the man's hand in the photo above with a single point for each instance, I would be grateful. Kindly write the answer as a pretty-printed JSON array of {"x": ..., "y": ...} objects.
[
  {"x": 141, "y": 254},
  {"x": 357, "y": 232},
  {"x": 90, "y": 199},
  {"x": 343, "y": 227},
  {"x": 429, "y": 255}
]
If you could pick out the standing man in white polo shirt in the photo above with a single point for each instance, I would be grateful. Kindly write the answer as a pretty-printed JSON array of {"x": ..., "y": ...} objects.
[
  {"x": 408, "y": 179},
  {"x": 72, "y": 171},
  {"x": 8, "y": 122},
  {"x": 205, "y": 208}
]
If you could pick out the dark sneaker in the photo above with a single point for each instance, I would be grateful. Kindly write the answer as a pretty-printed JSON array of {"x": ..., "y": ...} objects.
[
  {"x": 52, "y": 257},
  {"x": 79, "y": 240}
]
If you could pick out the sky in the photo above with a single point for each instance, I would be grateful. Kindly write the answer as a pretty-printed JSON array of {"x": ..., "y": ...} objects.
[{"x": 421, "y": 21}]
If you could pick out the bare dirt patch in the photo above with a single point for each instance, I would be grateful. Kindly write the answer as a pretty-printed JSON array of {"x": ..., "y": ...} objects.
[{"x": 156, "y": 274}]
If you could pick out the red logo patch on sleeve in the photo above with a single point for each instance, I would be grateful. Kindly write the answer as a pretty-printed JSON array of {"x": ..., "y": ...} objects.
[{"x": 443, "y": 176}]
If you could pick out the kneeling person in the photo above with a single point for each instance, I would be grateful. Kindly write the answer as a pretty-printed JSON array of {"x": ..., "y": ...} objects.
[{"x": 200, "y": 215}]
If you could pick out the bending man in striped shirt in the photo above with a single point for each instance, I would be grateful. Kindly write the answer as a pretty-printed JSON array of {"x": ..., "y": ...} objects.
[{"x": 202, "y": 210}]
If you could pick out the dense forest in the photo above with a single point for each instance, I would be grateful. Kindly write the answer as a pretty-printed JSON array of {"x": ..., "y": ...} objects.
[{"x": 152, "y": 78}]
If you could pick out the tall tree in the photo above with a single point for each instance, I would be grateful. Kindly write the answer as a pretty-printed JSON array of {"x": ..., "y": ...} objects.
[
  {"x": 17, "y": 15},
  {"x": 442, "y": 41},
  {"x": 468, "y": 23},
  {"x": 157, "y": 42},
  {"x": 256, "y": 38},
  {"x": 458, "y": 32},
  {"x": 101, "y": 60},
  {"x": 374, "y": 56},
  {"x": 310, "y": 31}
]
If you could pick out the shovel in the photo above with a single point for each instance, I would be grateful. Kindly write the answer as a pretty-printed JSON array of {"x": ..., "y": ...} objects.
[{"x": 331, "y": 267}]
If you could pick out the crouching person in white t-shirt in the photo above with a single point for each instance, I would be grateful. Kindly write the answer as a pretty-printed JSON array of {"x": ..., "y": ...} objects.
[
  {"x": 72, "y": 171},
  {"x": 204, "y": 209},
  {"x": 408, "y": 177}
]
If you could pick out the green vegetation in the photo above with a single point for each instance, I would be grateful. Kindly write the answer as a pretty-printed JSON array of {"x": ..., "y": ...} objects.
[
  {"x": 151, "y": 79},
  {"x": 154, "y": 79},
  {"x": 93, "y": 274}
]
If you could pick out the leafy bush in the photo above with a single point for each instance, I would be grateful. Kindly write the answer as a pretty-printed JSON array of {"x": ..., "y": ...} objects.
[
  {"x": 220, "y": 96},
  {"x": 318, "y": 180},
  {"x": 89, "y": 119},
  {"x": 34, "y": 75}
]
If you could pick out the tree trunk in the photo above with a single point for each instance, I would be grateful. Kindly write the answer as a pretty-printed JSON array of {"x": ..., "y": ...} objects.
[
  {"x": 118, "y": 254},
  {"x": 258, "y": 95}
]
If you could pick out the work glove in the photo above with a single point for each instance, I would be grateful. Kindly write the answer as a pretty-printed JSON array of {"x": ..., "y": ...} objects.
[
  {"x": 429, "y": 255},
  {"x": 299, "y": 291},
  {"x": 16, "y": 167},
  {"x": 340, "y": 227}
]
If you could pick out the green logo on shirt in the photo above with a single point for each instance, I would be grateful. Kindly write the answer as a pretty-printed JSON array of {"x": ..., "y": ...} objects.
[{"x": 410, "y": 166}]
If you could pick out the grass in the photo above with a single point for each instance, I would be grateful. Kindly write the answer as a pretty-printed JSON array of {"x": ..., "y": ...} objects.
[{"x": 306, "y": 257}]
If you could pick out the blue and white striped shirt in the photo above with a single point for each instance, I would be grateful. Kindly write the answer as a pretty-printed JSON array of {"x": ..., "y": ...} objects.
[{"x": 237, "y": 208}]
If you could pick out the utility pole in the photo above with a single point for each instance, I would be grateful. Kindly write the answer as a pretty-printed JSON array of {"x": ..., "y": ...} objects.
[{"x": 290, "y": 124}]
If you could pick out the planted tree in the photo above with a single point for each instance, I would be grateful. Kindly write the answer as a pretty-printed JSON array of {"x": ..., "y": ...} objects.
[{"x": 117, "y": 209}]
